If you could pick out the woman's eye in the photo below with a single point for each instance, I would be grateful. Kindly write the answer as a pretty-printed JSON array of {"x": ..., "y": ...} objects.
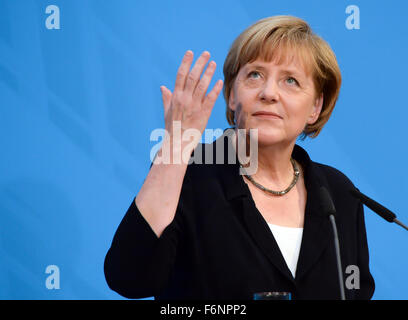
[
  {"x": 292, "y": 81},
  {"x": 253, "y": 74}
]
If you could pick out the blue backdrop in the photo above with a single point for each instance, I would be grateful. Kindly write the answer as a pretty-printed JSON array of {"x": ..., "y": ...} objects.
[{"x": 78, "y": 104}]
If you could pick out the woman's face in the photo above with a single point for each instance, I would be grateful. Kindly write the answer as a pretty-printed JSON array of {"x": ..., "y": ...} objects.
[{"x": 277, "y": 99}]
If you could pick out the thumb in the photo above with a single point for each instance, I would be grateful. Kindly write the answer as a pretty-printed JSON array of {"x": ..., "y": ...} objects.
[{"x": 166, "y": 96}]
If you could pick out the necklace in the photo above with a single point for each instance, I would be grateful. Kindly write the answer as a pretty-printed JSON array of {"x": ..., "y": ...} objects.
[{"x": 277, "y": 193}]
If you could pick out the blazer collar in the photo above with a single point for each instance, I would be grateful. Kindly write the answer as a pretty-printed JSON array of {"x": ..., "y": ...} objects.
[{"x": 316, "y": 232}]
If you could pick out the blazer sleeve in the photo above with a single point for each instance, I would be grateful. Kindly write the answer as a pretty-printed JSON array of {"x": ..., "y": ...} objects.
[
  {"x": 138, "y": 264},
  {"x": 367, "y": 285}
]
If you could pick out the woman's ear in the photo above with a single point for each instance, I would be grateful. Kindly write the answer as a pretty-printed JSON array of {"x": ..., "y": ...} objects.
[
  {"x": 317, "y": 108},
  {"x": 231, "y": 101}
]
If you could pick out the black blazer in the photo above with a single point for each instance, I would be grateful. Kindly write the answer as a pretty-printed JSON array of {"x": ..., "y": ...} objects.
[{"x": 219, "y": 246}]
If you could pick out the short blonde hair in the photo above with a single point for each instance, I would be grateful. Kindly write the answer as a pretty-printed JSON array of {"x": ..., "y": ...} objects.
[{"x": 278, "y": 35}]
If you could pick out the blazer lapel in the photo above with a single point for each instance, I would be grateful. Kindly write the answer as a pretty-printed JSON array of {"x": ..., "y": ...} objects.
[
  {"x": 316, "y": 236},
  {"x": 317, "y": 231},
  {"x": 263, "y": 237}
]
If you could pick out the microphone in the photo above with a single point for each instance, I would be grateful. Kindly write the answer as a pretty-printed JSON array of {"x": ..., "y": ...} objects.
[
  {"x": 329, "y": 209},
  {"x": 377, "y": 208}
]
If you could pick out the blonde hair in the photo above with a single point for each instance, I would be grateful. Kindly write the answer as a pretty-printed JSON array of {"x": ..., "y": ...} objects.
[{"x": 279, "y": 35}]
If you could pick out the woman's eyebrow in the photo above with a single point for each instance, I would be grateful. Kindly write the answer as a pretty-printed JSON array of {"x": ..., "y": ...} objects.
[
  {"x": 292, "y": 72},
  {"x": 256, "y": 66}
]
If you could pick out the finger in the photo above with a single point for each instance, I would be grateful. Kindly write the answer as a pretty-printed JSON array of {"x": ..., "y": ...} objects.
[
  {"x": 166, "y": 96},
  {"x": 202, "y": 86},
  {"x": 194, "y": 76},
  {"x": 183, "y": 70},
  {"x": 210, "y": 99}
]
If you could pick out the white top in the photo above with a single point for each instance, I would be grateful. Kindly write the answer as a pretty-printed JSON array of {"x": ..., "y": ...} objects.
[{"x": 289, "y": 240}]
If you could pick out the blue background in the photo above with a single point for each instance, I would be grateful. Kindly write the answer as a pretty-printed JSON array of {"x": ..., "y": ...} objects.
[{"x": 77, "y": 106}]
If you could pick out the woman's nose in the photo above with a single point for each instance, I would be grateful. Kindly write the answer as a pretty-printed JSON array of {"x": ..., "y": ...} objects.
[{"x": 269, "y": 91}]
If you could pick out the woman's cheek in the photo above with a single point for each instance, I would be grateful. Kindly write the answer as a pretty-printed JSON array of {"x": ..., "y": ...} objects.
[{"x": 239, "y": 115}]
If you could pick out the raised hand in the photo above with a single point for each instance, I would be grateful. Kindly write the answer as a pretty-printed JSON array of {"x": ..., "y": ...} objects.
[{"x": 189, "y": 104}]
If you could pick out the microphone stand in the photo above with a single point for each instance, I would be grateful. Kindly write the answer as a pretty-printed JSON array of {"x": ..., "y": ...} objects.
[
  {"x": 400, "y": 223},
  {"x": 329, "y": 209},
  {"x": 338, "y": 259}
]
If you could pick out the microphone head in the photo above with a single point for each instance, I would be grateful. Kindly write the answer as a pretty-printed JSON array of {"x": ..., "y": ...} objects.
[
  {"x": 327, "y": 205},
  {"x": 374, "y": 205},
  {"x": 356, "y": 193}
]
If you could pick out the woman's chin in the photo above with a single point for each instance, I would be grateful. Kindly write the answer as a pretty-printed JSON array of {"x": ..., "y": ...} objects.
[
  {"x": 270, "y": 136},
  {"x": 269, "y": 141}
]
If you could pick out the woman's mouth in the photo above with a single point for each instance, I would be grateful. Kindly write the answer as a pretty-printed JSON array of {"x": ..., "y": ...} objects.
[{"x": 266, "y": 115}]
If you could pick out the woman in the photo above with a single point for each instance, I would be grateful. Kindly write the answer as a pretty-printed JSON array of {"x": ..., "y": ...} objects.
[{"x": 204, "y": 231}]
